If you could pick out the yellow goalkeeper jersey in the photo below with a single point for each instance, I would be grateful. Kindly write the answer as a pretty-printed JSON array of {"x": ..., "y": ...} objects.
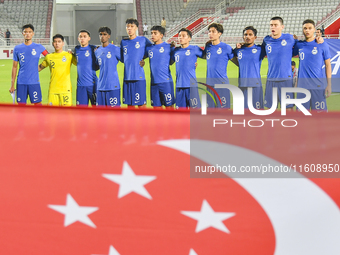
[{"x": 60, "y": 68}]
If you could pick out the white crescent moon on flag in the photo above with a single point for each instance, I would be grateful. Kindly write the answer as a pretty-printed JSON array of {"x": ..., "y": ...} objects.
[{"x": 305, "y": 219}]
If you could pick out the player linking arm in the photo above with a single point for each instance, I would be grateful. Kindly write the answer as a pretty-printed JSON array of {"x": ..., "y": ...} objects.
[
  {"x": 27, "y": 55},
  {"x": 59, "y": 62}
]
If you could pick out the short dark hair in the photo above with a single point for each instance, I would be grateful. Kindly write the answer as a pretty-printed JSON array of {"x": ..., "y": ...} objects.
[
  {"x": 84, "y": 31},
  {"x": 58, "y": 36},
  {"x": 250, "y": 28},
  {"x": 132, "y": 21},
  {"x": 308, "y": 21},
  {"x": 159, "y": 29},
  {"x": 277, "y": 18},
  {"x": 293, "y": 63},
  {"x": 186, "y": 30},
  {"x": 218, "y": 27},
  {"x": 104, "y": 29},
  {"x": 27, "y": 26},
  {"x": 319, "y": 29}
]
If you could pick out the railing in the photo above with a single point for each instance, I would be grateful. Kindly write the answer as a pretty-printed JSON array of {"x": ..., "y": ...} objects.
[
  {"x": 210, "y": 15},
  {"x": 329, "y": 20},
  {"x": 172, "y": 32},
  {"x": 219, "y": 10}
]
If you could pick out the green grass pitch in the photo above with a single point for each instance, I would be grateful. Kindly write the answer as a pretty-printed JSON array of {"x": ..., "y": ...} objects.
[{"x": 333, "y": 101}]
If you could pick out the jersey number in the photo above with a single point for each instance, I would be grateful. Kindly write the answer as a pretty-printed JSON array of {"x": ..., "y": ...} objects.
[
  {"x": 302, "y": 55},
  {"x": 269, "y": 48}
]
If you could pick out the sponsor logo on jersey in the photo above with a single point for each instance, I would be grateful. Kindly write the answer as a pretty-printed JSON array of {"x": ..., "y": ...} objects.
[
  {"x": 99, "y": 61},
  {"x": 187, "y": 52},
  {"x": 87, "y": 53},
  {"x": 161, "y": 50},
  {"x": 137, "y": 45},
  {"x": 315, "y": 51},
  {"x": 284, "y": 42},
  {"x": 64, "y": 59},
  {"x": 108, "y": 55},
  {"x": 19, "y": 99},
  {"x": 150, "y": 54},
  {"x": 254, "y": 51},
  {"x": 34, "y": 52},
  {"x": 219, "y": 51}
]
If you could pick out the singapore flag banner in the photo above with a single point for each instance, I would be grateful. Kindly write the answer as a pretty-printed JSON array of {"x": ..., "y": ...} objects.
[{"x": 168, "y": 182}]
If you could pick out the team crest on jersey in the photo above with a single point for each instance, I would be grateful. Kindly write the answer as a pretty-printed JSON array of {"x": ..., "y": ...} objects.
[
  {"x": 108, "y": 55},
  {"x": 87, "y": 53},
  {"x": 34, "y": 52},
  {"x": 187, "y": 52},
  {"x": 315, "y": 51},
  {"x": 254, "y": 51},
  {"x": 137, "y": 45},
  {"x": 219, "y": 51},
  {"x": 161, "y": 50},
  {"x": 284, "y": 43},
  {"x": 64, "y": 59}
]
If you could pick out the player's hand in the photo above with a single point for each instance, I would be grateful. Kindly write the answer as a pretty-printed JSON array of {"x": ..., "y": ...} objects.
[
  {"x": 295, "y": 37},
  {"x": 173, "y": 44},
  {"x": 328, "y": 91},
  {"x": 96, "y": 48},
  {"x": 239, "y": 45},
  {"x": 208, "y": 42},
  {"x": 70, "y": 51},
  {"x": 196, "y": 65},
  {"x": 142, "y": 63},
  {"x": 12, "y": 89},
  {"x": 319, "y": 39}
]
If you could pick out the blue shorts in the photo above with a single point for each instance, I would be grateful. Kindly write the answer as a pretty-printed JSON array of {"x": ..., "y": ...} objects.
[
  {"x": 224, "y": 95},
  {"x": 257, "y": 97},
  {"x": 317, "y": 100},
  {"x": 188, "y": 97},
  {"x": 134, "y": 92},
  {"x": 162, "y": 94},
  {"x": 33, "y": 91},
  {"x": 268, "y": 98},
  {"x": 86, "y": 94},
  {"x": 108, "y": 98}
]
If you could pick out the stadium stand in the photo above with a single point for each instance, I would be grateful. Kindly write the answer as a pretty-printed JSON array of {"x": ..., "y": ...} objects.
[
  {"x": 16, "y": 13},
  {"x": 238, "y": 14},
  {"x": 152, "y": 11}
]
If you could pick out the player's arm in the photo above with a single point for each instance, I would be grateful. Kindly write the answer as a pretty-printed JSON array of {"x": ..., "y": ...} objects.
[
  {"x": 14, "y": 74},
  {"x": 235, "y": 59},
  {"x": 172, "y": 55},
  {"x": 42, "y": 66},
  {"x": 328, "y": 68},
  {"x": 74, "y": 60}
]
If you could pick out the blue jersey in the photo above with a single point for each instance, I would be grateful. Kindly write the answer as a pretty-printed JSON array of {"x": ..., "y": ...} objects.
[
  {"x": 159, "y": 56},
  {"x": 249, "y": 60},
  {"x": 108, "y": 58},
  {"x": 217, "y": 59},
  {"x": 28, "y": 58},
  {"x": 132, "y": 52},
  {"x": 279, "y": 53},
  {"x": 86, "y": 65},
  {"x": 312, "y": 57},
  {"x": 185, "y": 59}
]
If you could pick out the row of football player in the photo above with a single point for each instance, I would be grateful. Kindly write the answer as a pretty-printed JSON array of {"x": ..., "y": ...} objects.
[{"x": 278, "y": 47}]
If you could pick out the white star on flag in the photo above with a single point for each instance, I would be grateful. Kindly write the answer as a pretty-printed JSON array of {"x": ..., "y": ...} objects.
[
  {"x": 112, "y": 251},
  {"x": 129, "y": 182},
  {"x": 207, "y": 217},
  {"x": 192, "y": 252},
  {"x": 73, "y": 212}
]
